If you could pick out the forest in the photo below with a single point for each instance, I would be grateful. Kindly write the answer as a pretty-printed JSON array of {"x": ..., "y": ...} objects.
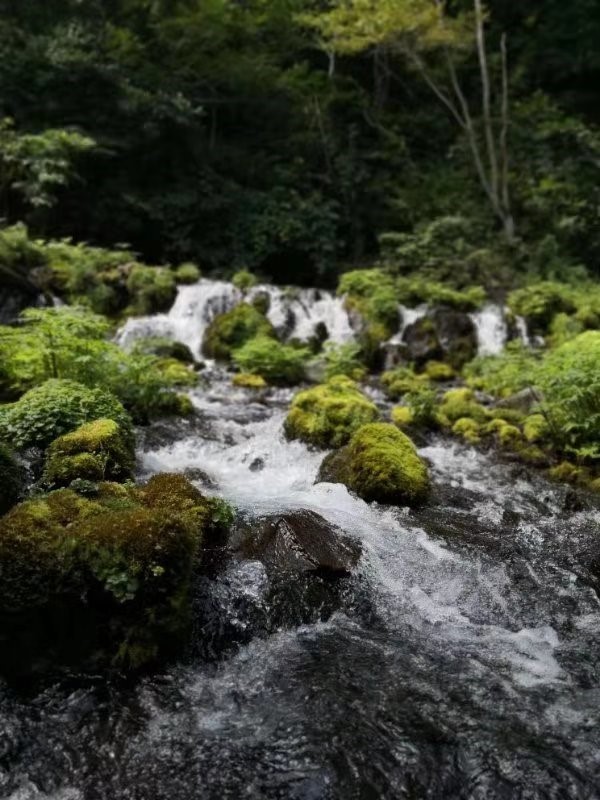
[{"x": 299, "y": 399}]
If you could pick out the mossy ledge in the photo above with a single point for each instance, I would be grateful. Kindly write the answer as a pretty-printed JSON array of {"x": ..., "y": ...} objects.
[
  {"x": 327, "y": 415},
  {"x": 381, "y": 464},
  {"x": 234, "y": 328},
  {"x": 101, "y": 580}
]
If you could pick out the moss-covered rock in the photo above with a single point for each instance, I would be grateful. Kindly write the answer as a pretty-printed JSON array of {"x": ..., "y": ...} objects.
[
  {"x": 402, "y": 416},
  {"x": 11, "y": 479},
  {"x": 467, "y": 429},
  {"x": 152, "y": 289},
  {"x": 229, "y": 331},
  {"x": 97, "y": 451},
  {"x": 187, "y": 274},
  {"x": 245, "y": 380},
  {"x": 279, "y": 364},
  {"x": 162, "y": 347},
  {"x": 381, "y": 464},
  {"x": 123, "y": 556},
  {"x": 439, "y": 371},
  {"x": 535, "y": 427},
  {"x": 459, "y": 403},
  {"x": 56, "y": 407},
  {"x": 402, "y": 380},
  {"x": 328, "y": 415}
]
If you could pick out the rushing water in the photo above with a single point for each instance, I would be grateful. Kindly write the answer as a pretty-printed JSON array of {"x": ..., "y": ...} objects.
[{"x": 461, "y": 660}]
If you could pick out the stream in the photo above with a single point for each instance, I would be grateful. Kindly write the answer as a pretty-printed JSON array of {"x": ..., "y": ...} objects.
[{"x": 461, "y": 659}]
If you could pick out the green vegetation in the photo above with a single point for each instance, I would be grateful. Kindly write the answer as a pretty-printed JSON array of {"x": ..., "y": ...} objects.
[
  {"x": 246, "y": 380},
  {"x": 11, "y": 479},
  {"x": 125, "y": 552},
  {"x": 57, "y": 407},
  {"x": 278, "y": 364},
  {"x": 328, "y": 415},
  {"x": 244, "y": 280},
  {"x": 381, "y": 464},
  {"x": 187, "y": 274},
  {"x": 229, "y": 331},
  {"x": 96, "y": 451}
]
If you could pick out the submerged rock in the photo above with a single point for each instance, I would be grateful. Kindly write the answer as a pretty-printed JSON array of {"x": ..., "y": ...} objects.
[{"x": 300, "y": 542}]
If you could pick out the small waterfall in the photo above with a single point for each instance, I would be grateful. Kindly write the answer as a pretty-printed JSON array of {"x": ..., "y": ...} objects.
[
  {"x": 492, "y": 330},
  {"x": 294, "y": 313}
]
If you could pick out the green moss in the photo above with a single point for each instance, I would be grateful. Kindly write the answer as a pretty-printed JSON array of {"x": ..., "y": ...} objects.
[
  {"x": 402, "y": 416},
  {"x": 468, "y": 429},
  {"x": 187, "y": 274},
  {"x": 508, "y": 435},
  {"x": 11, "y": 479},
  {"x": 229, "y": 331},
  {"x": 381, "y": 464},
  {"x": 512, "y": 415},
  {"x": 164, "y": 348},
  {"x": 459, "y": 403},
  {"x": 438, "y": 371},
  {"x": 535, "y": 428},
  {"x": 246, "y": 380},
  {"x": 127, "y": 555},
  {"x": 96, "y": 451},
  {"x": 175, "y": 373},
  {"x": 57, "y": 407},
  {"x": 565, "y": 472},
  {"x": 327, "y": 415},
  {"x": 402, "y": 380}
]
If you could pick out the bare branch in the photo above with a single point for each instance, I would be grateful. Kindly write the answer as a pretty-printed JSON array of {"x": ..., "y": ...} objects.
[{"x": 486, "y": 97}]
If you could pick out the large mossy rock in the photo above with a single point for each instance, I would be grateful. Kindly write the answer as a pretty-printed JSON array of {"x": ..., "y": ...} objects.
[
  {"x": 96, "y": 451},
  {"x": 57, "y": 407},
  {"x": 327, "y": 415},
  {"x": 102, "y": 579},
  {"x": 444, "y": 335},
  {"x": 229, "y": 331},
  {"x": 11, "y": 479},
  {"x": 381, "y": 464},
  {"x": 301, "y": 542}
]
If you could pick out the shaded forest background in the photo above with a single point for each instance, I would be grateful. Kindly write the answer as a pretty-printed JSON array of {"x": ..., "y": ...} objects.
[{"x": 221, "y": 132}]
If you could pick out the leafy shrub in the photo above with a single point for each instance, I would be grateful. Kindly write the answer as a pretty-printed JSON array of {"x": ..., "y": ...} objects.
[
  {"x": 161, "y": 347},
  {"x": 402, "y": 380},
  {"x": 229, "y": 331},
  {"x": 55, "y": 408},
  {"x": 275, "y": 362},
  {"x": 244, "y": 280},
  {"x": 540, "y": 302},
  {"x": 504, "y": 374},
  {"x": 187, "y": 274},
  {"x": 343, "y": 359},
  {"x": 152, "y": 289},
  {"x": 327, "y": 415}
]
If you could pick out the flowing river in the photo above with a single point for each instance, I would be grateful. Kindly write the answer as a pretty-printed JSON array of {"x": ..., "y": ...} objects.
[{"x": 460, "y": 660}]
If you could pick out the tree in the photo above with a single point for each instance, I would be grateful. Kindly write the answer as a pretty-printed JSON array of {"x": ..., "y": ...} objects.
[{"x": 432, "y": 41}]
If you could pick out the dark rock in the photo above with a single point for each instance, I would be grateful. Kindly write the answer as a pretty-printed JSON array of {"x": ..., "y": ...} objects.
[
  {"x": 456, "y": 334},
  {"x": 394, "y": 354},
  {"x": 521, "y": 401},
  {"x": 16, "y": 293},
  {"x": 198, "y": 475},
  {"x": 301, "y": 542},
  {"x": 257, "y": 465},
  {"x": 422, "y": 342},
  {"x": 332, "y": 467}
]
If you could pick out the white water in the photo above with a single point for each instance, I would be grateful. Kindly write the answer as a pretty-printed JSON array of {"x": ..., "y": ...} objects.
[{"x": 294, "y": 313}]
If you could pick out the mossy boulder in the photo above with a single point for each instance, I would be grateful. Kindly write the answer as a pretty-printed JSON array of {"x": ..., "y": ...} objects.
[
  {"x": 459, "y": 403},
  {"x": 402, "y": 416},
  {"x": 279, "y": 364},
  {"x": 229, "y": 331},
  {"x": 57, "y": 407},
  {"x": 245, "y": 380},
  {"x": 151, "y": 289},
  {"x": 439, "y": 371},
  {"x": 187, "y": 274},
  {"x": 11, "y": 479},
  {"x": 162, "y": 347},
  {"x": 403, "y": 380},
  {"x": 327, "y": 415},
  {"x": 121, "y": 559},
  {"x": 381, "y": 464},
  {"x": 467, "y": 429},
  {"x": 97, "y": 451}
]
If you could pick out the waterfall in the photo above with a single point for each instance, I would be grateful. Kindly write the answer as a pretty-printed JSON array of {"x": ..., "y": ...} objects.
[{"x": 492, "y": 330}]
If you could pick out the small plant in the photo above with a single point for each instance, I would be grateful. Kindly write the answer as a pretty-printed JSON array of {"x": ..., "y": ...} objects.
[
  {"x": 277, "y": 363},
  {"x": 187, "y": 274}
]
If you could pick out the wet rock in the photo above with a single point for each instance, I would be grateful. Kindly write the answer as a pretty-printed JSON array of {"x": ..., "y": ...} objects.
[
  {"x": 257, "y": 465},
  {"x": 16, "y": 293},
  {"x": 198, "y": 475},
  {"x": 394, "y": 354},
  {"x": 522, "y": 401},
  {"x": 163, "y": 432},
  {"x": 300, "y": 542},
  {"x": 444, "y": 335}
]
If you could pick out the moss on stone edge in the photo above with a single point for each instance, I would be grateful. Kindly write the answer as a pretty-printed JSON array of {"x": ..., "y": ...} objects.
[
  {"x": 234, "y": 328},
  {"x": 126, "y": 554},
  {"x": 327, "y": 415},
  {"x": 96, "y": 451},
  {"x": 245, "y": 380},
  {"x": 381, "y": 464}
]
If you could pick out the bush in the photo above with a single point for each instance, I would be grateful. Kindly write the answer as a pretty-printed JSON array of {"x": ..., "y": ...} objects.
[
  {"x": 187, "y": 274},
  {"x": 277, "y": 363},
  {"x": 539, "y": 303},
  {"x": 96, "y": 451},
  {"x": 327, "y": 415},
  {"x": 11, "y": 479},
  {"x": 343, "y": 359},
  {"x": 504, "y": 374},
  {"x": 229, "y": 331},
  {"x": 402, "y": 380},
  {"x": 381, "y": 464},
  {"x": 55, "y": 408},
  {"x": 152, "y": 289},
  {"x": 244, "y": 280},
  {"x": 161, "y": 347}
]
